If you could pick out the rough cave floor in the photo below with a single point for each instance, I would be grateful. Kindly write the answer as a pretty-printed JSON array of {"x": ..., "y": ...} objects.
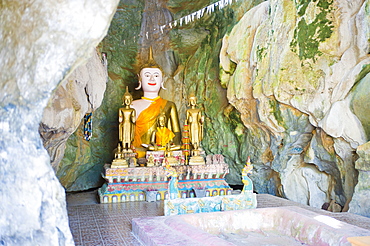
[{"x": 110, "y": 224}]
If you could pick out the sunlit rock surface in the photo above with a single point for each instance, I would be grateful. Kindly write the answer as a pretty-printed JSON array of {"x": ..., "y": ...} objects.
[
  {"x": 298, "y": 73},
  {"x": 41, "y": 42}
]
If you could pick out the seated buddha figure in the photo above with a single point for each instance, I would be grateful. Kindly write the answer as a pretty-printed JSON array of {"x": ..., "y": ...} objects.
[
  {"x": 162, "y": 136},
  {"x": 151, "y": 105}
]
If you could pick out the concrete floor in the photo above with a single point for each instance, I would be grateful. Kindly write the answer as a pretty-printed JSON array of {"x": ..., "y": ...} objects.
[{"x": 92, "y": 223}]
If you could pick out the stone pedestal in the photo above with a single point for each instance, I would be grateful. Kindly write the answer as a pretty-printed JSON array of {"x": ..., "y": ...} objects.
[
  {"x": 119, "y": 163},
  {"x": 196, "y": 160},
  {"x": 122, "y": 161},
  {"x": 172, "y": 161}
]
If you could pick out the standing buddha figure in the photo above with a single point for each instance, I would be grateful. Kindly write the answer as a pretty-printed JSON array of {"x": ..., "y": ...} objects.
[
  {"x": 150, "y": 105},
  {"x": 126, "y": 119},
  {"x": 195, "y": 121}
]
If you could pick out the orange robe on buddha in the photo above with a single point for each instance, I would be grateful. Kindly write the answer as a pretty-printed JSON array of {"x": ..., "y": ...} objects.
[
  {"x": 147, "y": 119},
  {"x": 163, "y": 136}
]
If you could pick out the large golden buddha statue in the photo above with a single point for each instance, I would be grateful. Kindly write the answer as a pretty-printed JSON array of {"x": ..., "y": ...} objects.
[{"x": 151, "y": 105}]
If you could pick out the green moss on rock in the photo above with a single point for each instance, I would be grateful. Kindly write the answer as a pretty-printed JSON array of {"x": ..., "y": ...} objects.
[{"x": 308, "y": 36}]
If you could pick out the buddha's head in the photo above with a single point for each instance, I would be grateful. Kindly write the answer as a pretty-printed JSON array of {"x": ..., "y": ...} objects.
[
  {"x": 151, "y": 75},
  {"x": 161, "y": 120},
  {"x": 127, "y": 98},
  {"x": 151, "y": 79},
  {"x": 192, "y": 100}
]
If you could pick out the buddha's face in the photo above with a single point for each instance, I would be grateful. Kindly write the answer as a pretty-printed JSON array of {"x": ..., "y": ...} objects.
[
  {"x": 151, "y": 79},
  {"x": 161, "y": 121},
  {"x": 127, "y": 100},
  {"x": 192, "y": 101}
]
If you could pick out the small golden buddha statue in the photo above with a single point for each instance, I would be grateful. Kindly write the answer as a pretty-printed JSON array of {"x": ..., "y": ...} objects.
[
  {"x": 119, "y": 161},
  {"x": 150, "y": 106},
  {"x": 195, "y": 120},
  {"x": 150, "y": 162},
  {"x": 118, "y": 154},
  {"x": 195, "y": 151},
  {"x": 126, "y": 119},
  {"x": 196, "y": 158},
  {"x": 162, "y": 137},
  {"x": 169, "y": 159}
]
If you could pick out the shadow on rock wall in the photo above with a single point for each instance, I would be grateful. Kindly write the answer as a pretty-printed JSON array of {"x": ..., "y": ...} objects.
[{"x": 80, "y": 93}]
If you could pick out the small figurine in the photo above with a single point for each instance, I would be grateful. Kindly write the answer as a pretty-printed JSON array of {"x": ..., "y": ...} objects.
[
  {"x": 118, "y": 154},
  {"x": 181, "y": 159},
  {"x": 195, "y": 151},
  {"x": 150, "y": 162},
  {"x": 196, "y": 158},
  {"x": 133, "y": 162},
  {"x": 119, "y": 160},
  {"x": 173, "y": 190},
  {"x": 168, "y": 157},
  {"x": 248, "y": 184}
]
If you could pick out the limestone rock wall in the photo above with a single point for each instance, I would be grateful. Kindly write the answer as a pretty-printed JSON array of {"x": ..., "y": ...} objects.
[
  {"x": 295, "y": 69},
  {"x": 360, "y": 200},
  {"x": 41, "y": 42},
  {"x": 80, "y": 93}
]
